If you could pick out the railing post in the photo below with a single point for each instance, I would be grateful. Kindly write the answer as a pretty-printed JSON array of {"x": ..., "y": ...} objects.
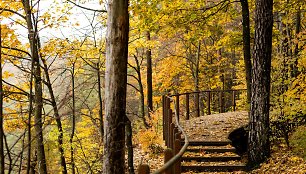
[
  {"x": 171, "y": 128},
  {"x": 168, "y": 154},
  {"x": 187, "y": 106},
  {"x": 143, "y": 169},
  {"x": 177, "y": 148},
  {"x": 175, "y": 131},
  {"x": 208, "y": 102},
  {"x": 234, "y": 101},
  {"x": 164, "y": 115},
  {"x": 177, "y": 107},
  {"x": 169, "y": 121},
  {"x": 197, "y": 106},
  {"x": 221, "y": 101}
]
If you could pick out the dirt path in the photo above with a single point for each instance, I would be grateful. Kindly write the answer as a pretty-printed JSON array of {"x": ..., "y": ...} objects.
[{"x": 214, "y": 127}]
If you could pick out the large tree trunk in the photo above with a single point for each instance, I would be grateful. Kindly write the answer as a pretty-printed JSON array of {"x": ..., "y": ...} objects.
[
  {"x": 115, "y": 86},
  {"x": 1, "y": 113},
  {"x": 259, "y": 146},
  {"x": 149, "y": 76},
  {"x": 33, "y": 39},
  {"x": 247, "y": 46}
]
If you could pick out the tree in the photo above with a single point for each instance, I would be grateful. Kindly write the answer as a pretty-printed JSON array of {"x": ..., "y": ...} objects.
[
  {"x": 259, "y": 146},
  {"x": 38, "y": 99},
  {"x": 115, "y": 86},
  {"x": 1, "y": 111},
  {"x": 247, "y": 46}
]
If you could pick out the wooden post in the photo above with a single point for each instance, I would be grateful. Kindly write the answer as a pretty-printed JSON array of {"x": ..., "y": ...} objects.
[
  {"x": 143, "y": 169},
  {"x": 171, "y": 129},
  {"x": 234, "y": 101},
  {"x": 177, "y": 148},
  {"x": 175, "y": 131},
  {"x": 169, "y": 121},
  {"x": 197, "y": 106},
  {"x": 187, "y": 106},
  {"x": 208, "y": 102},
  {"x": 177, "y": 107},
  {"x": 164, "y": 115},
  {"x": 168, "y": 154},
  {"x": 221, "y": 96}
]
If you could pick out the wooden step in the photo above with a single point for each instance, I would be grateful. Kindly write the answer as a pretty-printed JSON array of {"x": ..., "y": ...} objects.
[
  {"x": 212, "y": 150},
  {"x": 211, "y": 159},
  {"x": 208, "y": 143},
  {"x": 215, "y": 168}
]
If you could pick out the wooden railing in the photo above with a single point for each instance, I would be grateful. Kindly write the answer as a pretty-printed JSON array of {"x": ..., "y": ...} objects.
[
  {"x": 221, "y": 100},
  {"x": 207, "y": 102},
  {"x": 172, "y": 133}
]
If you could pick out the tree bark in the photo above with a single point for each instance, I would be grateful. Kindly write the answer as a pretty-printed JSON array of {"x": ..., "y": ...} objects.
[
  {"x": 149, "y": 76},
  {"x": 1, "y": 112},
  {"x": 33, "y": 39},
  {"x": 259, "y": 145},
  {"x": 115, "y": 86},
  {"x": 247, "y": 46},
  {"x": 129, "y": 145}
]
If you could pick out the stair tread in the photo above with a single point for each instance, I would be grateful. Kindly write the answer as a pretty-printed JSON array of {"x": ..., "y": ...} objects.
[
  {"x": 212, "y": 150},
  {"x": 212, "y": 158},
  {"x": 208, "y": 143},
  {"x": 211, "y": 168}
]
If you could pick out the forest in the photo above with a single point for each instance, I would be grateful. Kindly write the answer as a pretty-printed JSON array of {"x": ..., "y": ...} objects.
[{"x": 82, "y": 81}]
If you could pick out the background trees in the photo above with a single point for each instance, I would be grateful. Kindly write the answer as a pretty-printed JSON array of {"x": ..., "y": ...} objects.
[{"x": 189, "y": 45}]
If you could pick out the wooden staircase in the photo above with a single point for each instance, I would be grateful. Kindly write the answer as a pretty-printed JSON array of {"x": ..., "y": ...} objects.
[{"x": 211, "y": 156}]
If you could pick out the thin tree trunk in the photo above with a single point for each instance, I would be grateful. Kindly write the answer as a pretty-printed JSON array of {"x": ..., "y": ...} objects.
[
  {"x": 115, "y": 86},
  {"x": 129, "y": 145},
  {"x": 141, "y": 91},
  {"x": 2, "y": 166},
  {"x": 57, "y": 118},
  {"x": 294, "y": 68},
  {"x": 100, "y": 100},
  {"x": 73, "y": 121},
  {"x": 259, "y": 144},
  {"x": 247, "y": 46},
  {"x": 10, "y": 168},
  {"x": 33, "y": 39},
  {"x": 149, "y": 76}
]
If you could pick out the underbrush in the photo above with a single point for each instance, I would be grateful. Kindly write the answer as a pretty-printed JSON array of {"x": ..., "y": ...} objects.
[{"x": 298, "y": 141}]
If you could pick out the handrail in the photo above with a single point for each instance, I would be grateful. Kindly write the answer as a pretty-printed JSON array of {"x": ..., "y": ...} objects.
[
  {"x": 175, "y": 158},
  {"x": 217, "y": 90}
]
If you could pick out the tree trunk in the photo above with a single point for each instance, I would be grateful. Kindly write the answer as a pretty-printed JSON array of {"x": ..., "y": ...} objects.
[
  {"x": 57, "y": 118},
  {"x": 115, "y": 86},
  {"x": 149, "y": 76},
  {"x": 247, "y": 46},
  {"x": 33, "y": 39},
  {"x": 294, "y": 68},
  {"x": 1, "y": 113},
  {"x": 259, "y": 145},
  {"x": 100, "y": 100},
  {"x": 129, "y": 145},
  {"x": 73, "y": 121}
]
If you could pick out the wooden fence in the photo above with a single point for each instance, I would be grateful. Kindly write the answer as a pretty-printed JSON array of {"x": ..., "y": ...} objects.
[{"x": 173, "y": 132}]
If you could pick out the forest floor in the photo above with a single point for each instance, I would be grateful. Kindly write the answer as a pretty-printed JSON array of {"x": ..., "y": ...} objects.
[{"x": 217, "y": 127}]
